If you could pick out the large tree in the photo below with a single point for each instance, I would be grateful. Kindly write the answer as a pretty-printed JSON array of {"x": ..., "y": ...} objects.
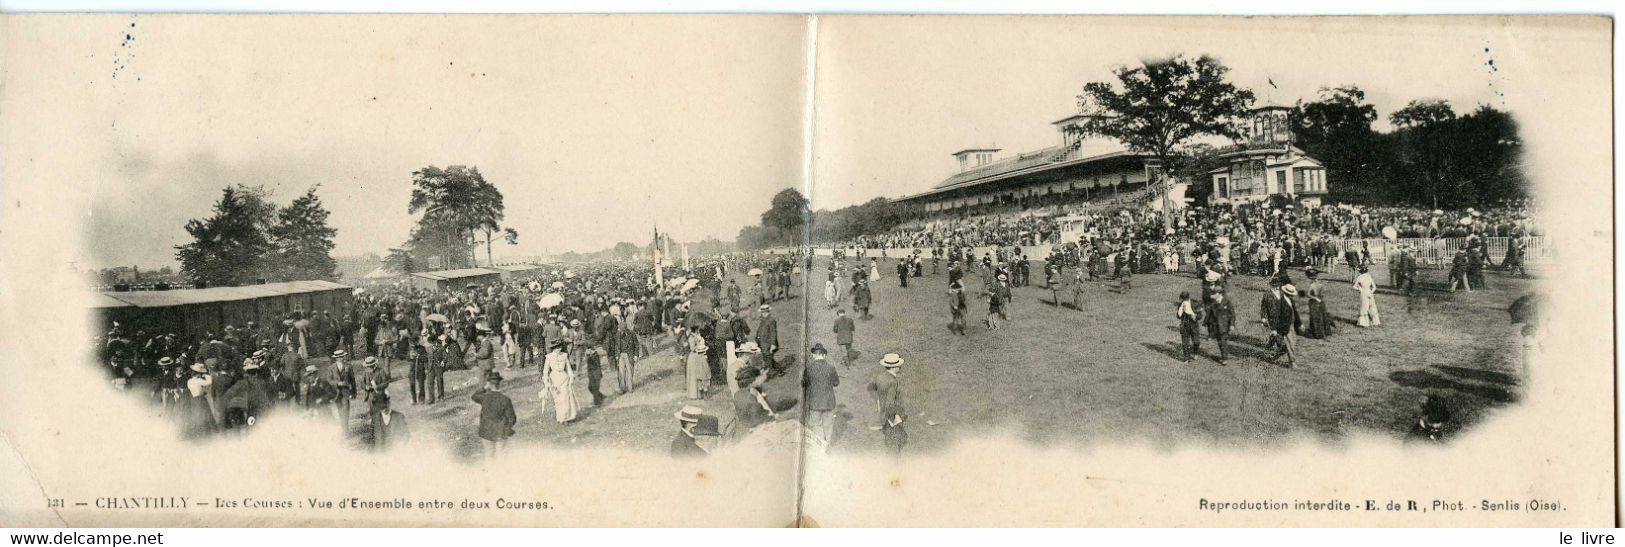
[
  {"x": 229, "y": 248},
  {"x": 303, "y": 241},
  {"x": 456, "y": 203},
  {"x": 1428, "y": 152},
  {"x": 787, "y": 216},
  {"x": 1163, "y": 105},
  {"x": 1336, "y": 128}
]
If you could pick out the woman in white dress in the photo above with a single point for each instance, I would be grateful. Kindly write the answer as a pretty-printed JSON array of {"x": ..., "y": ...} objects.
[
  {"x": 1368, "y": 298},
  {"x": 559, "y": 377},
  {"x": 874, "y": 270},
  {"x": 698, "y": 368}
]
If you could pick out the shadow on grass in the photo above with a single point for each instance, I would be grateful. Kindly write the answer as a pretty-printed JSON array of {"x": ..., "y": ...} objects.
[
  {"x": 1424, "y": 379},
  {"x": 1480, "y": 375},
  {"x": 1168, "y": 349}
]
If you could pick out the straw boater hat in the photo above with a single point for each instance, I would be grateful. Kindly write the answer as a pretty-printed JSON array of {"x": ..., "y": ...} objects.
[
  {"x": 198, "y": 367},
  {"x": 749, "y": 347},
  {"x": 690, "y": 413},
  {"x": 1289, "y": 289},
  {"x": 339, "y": 354},
  {"x": 164, "y": 362},
  {"x": 259, "y": 354},
  {"x": 251, "y": 364},
  {"x": 1213, "y": 275},
  {"x": 891, "y": 360},
  {"x": 310, "y": 368},
  {"x": 369, "y": 361}
]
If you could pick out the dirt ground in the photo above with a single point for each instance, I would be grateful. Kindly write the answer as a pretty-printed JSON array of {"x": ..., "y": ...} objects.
[{"x": 639, "y": 420}]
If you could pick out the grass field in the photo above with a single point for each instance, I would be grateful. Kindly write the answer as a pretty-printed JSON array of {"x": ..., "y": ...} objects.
[
  {"x": 1110, "y": 372},
  {"x": 1107, "y": 373}
]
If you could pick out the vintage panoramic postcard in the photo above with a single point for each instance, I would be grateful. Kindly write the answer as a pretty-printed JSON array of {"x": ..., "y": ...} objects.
[{"x": 798, "y": 270}]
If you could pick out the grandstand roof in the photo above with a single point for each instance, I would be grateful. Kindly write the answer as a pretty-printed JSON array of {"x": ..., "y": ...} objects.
[{"x": 1037, "y": 161}]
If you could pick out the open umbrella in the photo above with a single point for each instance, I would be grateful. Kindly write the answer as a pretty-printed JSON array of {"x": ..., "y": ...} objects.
[
  {"x": 1389, "y": 232},
  {"x": 1466, "y": 221},
  {"x": 437, "y": 317},
  {"x": 690, "y": 284},
  {"x": 558, "y": 284},
  {"x": 569, "y": 274},
  {"x": 550, "y": 300},
  {"x": 754, "y": 271},
  {"x": 358, "y": 291}
]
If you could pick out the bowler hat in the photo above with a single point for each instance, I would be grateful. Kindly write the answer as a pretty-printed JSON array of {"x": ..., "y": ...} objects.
[{"x": 818, "y": 348}]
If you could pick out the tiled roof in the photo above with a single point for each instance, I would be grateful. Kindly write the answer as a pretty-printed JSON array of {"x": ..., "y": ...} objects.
[{"x": 1007, "y": 165}]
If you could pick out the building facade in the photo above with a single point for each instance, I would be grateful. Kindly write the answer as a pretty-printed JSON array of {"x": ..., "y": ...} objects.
[
  {"x": 1092, "y": 169},
  {"x": 1267, "y": 164}
]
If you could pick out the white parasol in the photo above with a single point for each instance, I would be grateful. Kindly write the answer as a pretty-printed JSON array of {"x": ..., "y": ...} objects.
[
  {"x": 1389, "y": 232},
  {"x": 754, "y": 271},
  {"x": 558, "y": 284},
  {"x": 550, "y": 300}
]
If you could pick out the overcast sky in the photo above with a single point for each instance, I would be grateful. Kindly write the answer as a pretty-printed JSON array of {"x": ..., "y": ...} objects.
[
  {"x": 897, "y": 95},
  {"x": 598, "y": 128},
  {"x": 594, "y": 129}
]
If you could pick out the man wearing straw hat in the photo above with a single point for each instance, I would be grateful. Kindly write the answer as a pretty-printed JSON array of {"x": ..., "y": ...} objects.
[
  {"x": 342, "y": 378},
  {"x": 767, "y": 338},
  {"x": 888, "y": 394},
  {"x": 691, "y": 423},
  {"x": 1283, "y": 322}
]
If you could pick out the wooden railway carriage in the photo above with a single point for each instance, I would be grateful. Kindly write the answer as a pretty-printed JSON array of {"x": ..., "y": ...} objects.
[{"x": 192, "y": 313}]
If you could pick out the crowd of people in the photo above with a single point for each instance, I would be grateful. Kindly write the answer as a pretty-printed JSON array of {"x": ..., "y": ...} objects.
[{"x": 582, "y": 320}]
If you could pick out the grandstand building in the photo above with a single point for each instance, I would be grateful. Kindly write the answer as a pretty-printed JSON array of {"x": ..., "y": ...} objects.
[
  {"x": 1103, "y": 172},
  {"x": 1267, "y": 164}
]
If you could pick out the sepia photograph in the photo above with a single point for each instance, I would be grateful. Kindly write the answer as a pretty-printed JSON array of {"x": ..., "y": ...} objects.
[{"x": 806, "y": 270}]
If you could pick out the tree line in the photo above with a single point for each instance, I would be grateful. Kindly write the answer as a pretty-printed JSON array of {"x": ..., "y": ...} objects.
[
  {"x": 1172, "y": 108},
  {"x": 249, "y": 239}
]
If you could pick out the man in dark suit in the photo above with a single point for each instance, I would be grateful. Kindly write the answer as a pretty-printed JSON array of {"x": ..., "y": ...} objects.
[
  {"x": 818, "y": 380},
  {"x": 844, "y": 328},
  {"x": 888, "y": 394},
  {"x": 692, "y": 423},
  {"x": 1190, "y": 319},
  {"x": 1221, "y": 318},
  {"x": 342, "y": 377},
  {"x": 1283, "y": 322},
  {"x": 497, "y": 417},
  {"x": 417, "y": 373},
  {"x": 767, "y": 337},
  {"x": 389, "y": 427}
]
